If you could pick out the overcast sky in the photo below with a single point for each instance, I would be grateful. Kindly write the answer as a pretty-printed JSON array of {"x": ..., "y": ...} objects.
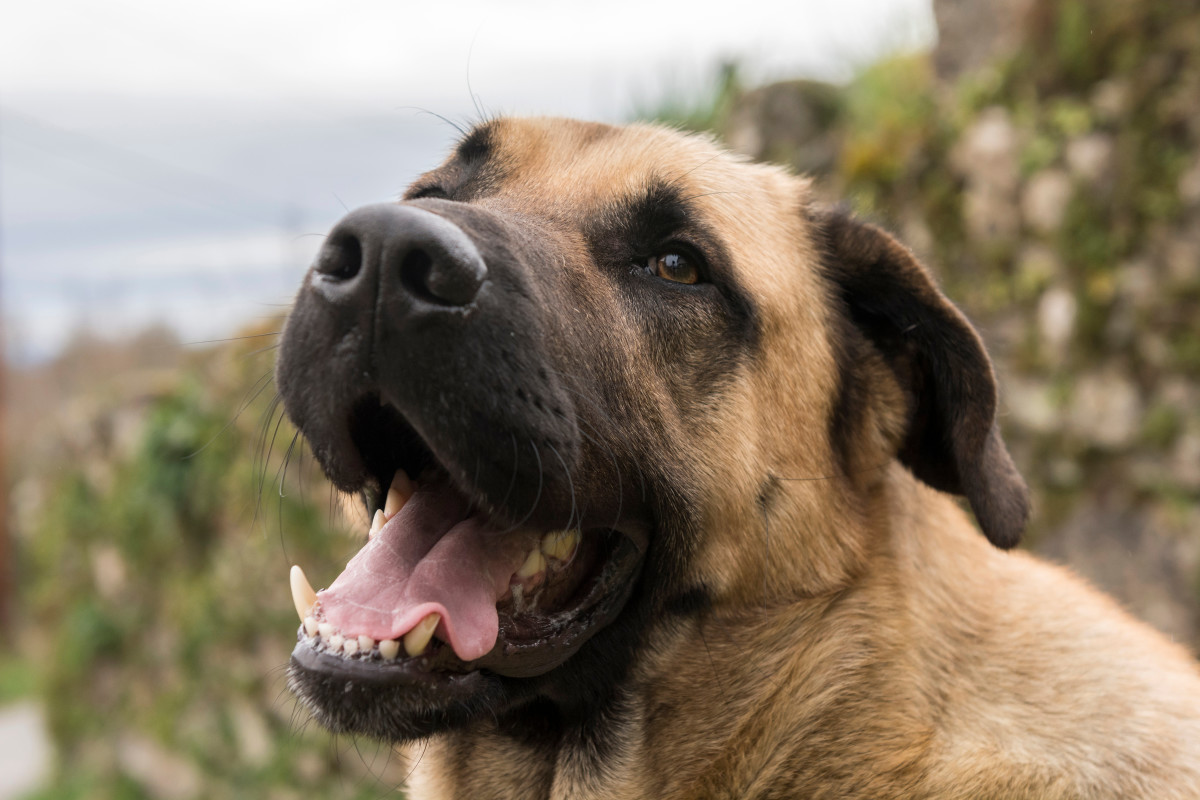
[{"x": 178, "y": 161}]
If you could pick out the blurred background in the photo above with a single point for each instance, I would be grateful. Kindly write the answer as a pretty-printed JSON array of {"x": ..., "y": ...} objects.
[{"x": 167, "y": 172}]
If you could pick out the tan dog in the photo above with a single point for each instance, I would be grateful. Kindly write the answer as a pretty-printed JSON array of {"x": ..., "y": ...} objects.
[{"x": 676, "y": 442}]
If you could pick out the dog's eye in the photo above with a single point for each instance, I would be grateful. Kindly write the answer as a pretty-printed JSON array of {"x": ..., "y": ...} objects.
[{"x": 675, "y": 267}]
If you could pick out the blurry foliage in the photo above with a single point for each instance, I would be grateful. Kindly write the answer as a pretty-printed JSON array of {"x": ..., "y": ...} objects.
[
  {"x": 889, "y": 116},
  {"x": 686, "y": 111},
  {"x": 155, "y": 580}
]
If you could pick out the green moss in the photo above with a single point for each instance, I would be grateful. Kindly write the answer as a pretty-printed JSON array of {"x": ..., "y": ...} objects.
[
  {"x": 1161, "y": 426},
  {"x": 1185, "y": 351},
  {"x": 1069, "y": 117},
  {"x": 18, "y": 679},
  {"x": 889, "y": 111},
  {"x": 1039, "y": 152},
  {"x": 703, "y": 113}
]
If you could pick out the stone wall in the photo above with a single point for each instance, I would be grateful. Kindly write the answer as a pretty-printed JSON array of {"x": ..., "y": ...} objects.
[{"x": 1054, "y": 186}]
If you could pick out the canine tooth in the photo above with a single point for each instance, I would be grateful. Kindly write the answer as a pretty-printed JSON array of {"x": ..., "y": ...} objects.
[
  {"x": 365, "y": 643},
  {"x": 335, "y": 642},
  {"x": 560, "y": 544},
  {"x": 535, "y": 562},
  {"x": 302, "y": 593},
  {"x": 377, "y": 522},
  {"x": 416, "y": 639},
  {"x": 310, "y": 626},
  {"x": 398, "y": 494},
  {"x": 389, "y": 649},
  {"x": 350, "y": 646},
  {"x": 326, "y": 630}
]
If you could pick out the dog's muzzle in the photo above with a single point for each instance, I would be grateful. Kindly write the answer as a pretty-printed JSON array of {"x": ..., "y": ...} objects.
[{"x": 420, "y": 357}]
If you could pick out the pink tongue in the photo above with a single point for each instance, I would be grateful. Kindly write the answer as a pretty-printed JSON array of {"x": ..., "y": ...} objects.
[{"x": 429, "y": 557}]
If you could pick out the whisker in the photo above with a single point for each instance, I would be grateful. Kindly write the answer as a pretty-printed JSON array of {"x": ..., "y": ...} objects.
[
  {"x": 232, "y": 338},
  {"x": 265, "y": 380}
]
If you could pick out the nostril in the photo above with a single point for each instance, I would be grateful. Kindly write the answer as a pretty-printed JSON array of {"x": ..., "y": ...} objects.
[
  {"x": 340, "y": 257},
  {"x": 414, "y": 273},
  {"x": 441, "y": 278}
]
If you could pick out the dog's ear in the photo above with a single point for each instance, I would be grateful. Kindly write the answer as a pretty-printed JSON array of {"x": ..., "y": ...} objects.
[{"x": 951, "y": 440}]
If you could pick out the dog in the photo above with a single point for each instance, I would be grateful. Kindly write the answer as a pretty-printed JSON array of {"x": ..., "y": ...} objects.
[{"x": 663, "y": 458}]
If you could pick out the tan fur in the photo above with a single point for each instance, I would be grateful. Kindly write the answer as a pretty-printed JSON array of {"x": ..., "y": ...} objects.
[{"x": 864, "y": 640}]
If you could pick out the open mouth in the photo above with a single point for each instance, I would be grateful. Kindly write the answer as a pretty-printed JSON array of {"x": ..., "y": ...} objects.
[{"x": 442, "y": 587}]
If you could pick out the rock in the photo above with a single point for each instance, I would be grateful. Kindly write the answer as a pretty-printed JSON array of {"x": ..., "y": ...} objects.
[
  {"x": 788, "y": 123},
  {"x": 1064, "y": 473},
  {"x": 1135, "y": 556},
  {"x": 1153, "y": 348},
  {"x": 1090, "y": 157},
  {"x": 1181, "y": 394},
  {"x": 1185, "y": 462},
  {"x": 164, "y": 774},
  {"x": 1056, "y": 320},
  {"x": 1106, "y": 410},
  {"x": 1110, "y": 99},
  {"x": 973, "y": 33},
  {"x": 1030, "y": 405},
  {"x": 108, "y": 571},
  {"x": 1189, "y": 185},
  {"x": 986, "y": 157},
  {"x": 1038, "y": 263},
  {"x": 25, "y": 750},
  {"x": 1137, "y": 283},
  {"x": 1182, "y": 258},
  {"x": 1044, "y": 201},
  {"x": 255, "y": 742}
]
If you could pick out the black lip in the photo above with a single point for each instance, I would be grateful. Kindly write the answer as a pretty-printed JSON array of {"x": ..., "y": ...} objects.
[{"x": 400, "y": 702}]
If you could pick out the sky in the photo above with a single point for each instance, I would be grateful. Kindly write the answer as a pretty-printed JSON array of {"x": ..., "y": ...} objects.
[{"x": 179, "y": 163}]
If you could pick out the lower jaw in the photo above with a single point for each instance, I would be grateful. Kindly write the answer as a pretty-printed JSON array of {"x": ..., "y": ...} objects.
[
  {"x": 412, "y": 698},
  {"x": 401, "y": 704}
]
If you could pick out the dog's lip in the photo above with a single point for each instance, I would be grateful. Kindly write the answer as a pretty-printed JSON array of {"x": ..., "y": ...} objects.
[
  {"x": 558, "y": 634},
  {"x": 409, "y": 674}
]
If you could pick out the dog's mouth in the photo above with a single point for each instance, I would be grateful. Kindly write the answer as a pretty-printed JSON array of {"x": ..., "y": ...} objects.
[{"x": 445, "y": 587}]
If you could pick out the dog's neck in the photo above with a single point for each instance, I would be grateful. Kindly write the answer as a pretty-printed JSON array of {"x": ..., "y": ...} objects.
[{"x": 850, "y": 634}]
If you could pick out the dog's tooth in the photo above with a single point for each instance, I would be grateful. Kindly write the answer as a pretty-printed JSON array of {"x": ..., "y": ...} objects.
[
  {"x": 560, "y": 544},
  {"x": 377, "y": 522},
  {"x": 416, "y": 640},
  {"x": 535, "y": 562},
  {"x": 336, "y": 641},
  {"x": 326, "y": 630},
  {"x": 389, "y": 649},
  {"x": 398, "y": 494},
  {"x": 310, "y": 626},
  {"x": 350, "y": 646},
  {"x": 365, "y": 643},
  {"x": 303, "y": 595}
]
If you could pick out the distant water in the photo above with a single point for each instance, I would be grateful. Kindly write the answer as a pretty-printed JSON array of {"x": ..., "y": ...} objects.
[{"x": 203, "y": 288}]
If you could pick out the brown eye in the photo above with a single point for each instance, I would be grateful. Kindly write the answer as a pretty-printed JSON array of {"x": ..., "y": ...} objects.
[{"x": 674, "y": 267}]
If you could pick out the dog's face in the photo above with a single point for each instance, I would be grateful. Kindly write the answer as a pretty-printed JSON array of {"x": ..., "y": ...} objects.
[{"x": 630, "y": 377}]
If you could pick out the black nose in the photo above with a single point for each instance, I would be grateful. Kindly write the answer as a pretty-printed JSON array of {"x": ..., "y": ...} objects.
[{"x": 398, "y": 253}]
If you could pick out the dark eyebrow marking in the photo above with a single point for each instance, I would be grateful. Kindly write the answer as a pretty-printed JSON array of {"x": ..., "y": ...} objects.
[
  {"x": 628, "y": 225},
  {"x": 660, "y": 209},
  {"x": 477, "y": 145}
]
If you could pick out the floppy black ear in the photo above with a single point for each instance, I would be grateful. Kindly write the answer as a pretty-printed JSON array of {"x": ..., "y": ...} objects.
[{"x": 951, "y": 441}]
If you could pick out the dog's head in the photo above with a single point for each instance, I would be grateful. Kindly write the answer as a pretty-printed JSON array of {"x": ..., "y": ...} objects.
[{"x": 625, "y": 376}]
